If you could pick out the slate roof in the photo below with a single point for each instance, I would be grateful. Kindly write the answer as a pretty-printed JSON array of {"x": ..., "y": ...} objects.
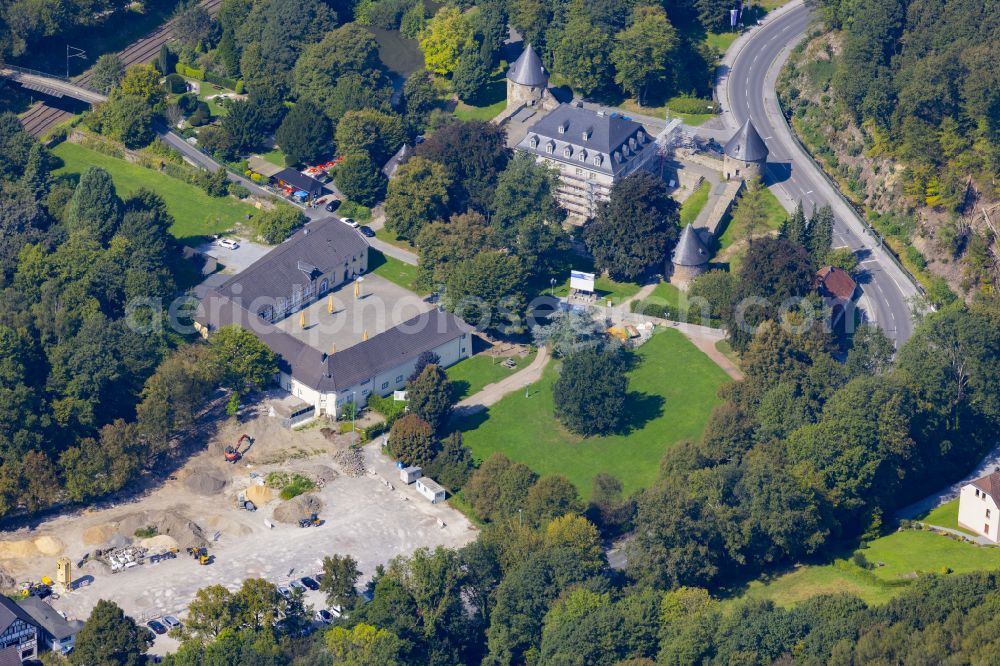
[
  {"x": 591, "y": 133},
  {"x": 989, "y": 484},
  {"x": 527, "y": 70},
  {"x": 835, "y": 282},
  {"x": 344, "y": 369},
  {"x": 690, "y": 251},
  {"x": 10, "y": 656},
  {"x": 48, "y": 619},
  {"x": 300, "y": 181},
  {"x": 319, "y": 247},
  {"x": 10, "y": 611},
  {"x": 746, "y": 144}
]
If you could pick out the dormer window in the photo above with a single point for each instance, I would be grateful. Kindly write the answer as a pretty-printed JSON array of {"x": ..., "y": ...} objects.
[
  {"x": 549, "y": 147},
  {"x": 583, "y": 156},
  {"x": 587, "y": 133},
  {"x": 533, "y": 142},
  {"x": 631, "y": 143},
  {"x": 567, "y": 151},
  {"x": 618, "y": 156},
  {"x": 598, "y": 159},
  {"x": 641, "y": 135},
  {"x": 563, "y": 126},
  {"x": 625, "y": 150}
]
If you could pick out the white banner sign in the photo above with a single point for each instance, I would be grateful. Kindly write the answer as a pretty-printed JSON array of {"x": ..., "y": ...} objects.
[{"x": 581, "y": 281}]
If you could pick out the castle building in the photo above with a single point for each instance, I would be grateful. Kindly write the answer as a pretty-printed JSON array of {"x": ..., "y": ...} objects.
[
  {"x": 745, "y": 154},
  {"x": 528, "y": 83},
  {"x": 689, "y": 259}
]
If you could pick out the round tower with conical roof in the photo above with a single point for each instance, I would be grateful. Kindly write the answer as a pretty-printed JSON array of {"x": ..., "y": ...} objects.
[
  {"x": 745, "y": 154},
  {"x": 527, "y": 81},
  {"x": 689, "y": 259}
]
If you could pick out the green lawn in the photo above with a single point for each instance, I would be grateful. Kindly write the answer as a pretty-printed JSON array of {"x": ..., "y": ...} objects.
[
  {"x": 945, "y": 515},
  {"x": 672, "y": 390},
  {"x": 487, "y": 112},
  {"x": 393, "y": 270},
  {"x": 660, "y": 111},
  {"x": 391, "y": 238},
  {"x": 721, "y": 41},
  {"x": 902, "y": 553},
  {"x": 734, "y": 233},
  {"x": 693, "y": 204},
  {"x": 275, "y": 157},
  {"x": 195, "y": 213},
  {"x": 606, "y": 288},
  {"x": 472, "y": 374}
]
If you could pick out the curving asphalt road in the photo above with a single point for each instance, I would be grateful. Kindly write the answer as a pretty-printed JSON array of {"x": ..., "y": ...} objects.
[{"x": 746, "y": 88}]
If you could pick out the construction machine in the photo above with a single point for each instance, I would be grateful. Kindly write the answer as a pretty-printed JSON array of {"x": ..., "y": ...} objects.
[
  {"x": 233, "y": 454},
  {"x": 311, "y": 521},
  {"x": 200, "y": 554}
]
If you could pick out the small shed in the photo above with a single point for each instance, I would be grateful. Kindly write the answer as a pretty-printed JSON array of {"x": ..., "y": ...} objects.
[
  {"x": 410, "y": 474},
  {"x": 430, "y": 489},
  {"x": 263, "y": 167},
  {"x": 290, "y": 178}
]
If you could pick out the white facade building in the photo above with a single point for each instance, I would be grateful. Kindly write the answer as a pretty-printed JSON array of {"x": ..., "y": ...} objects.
[
  {"x": 977, "y": 507},
  {"x": 431, "y": 489}
]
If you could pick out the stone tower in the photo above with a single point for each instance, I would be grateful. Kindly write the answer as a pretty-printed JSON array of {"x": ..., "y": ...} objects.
[
  {"x": 528, "y": 82},
  {"x": 745, "y": 154},
  {"x": 690, "y": 258}
]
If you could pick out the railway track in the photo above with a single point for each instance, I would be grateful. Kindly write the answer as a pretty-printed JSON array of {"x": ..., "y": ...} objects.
[{"x": 42, "y": 117}]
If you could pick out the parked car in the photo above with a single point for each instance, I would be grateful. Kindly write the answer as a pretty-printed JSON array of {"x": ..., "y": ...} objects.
[
  {"x": 349, "y": 222},
  {"x": 332, "y": 205},
  {"x": 366, "y": 231},
  {"x": 228, "y": 243},
  {"x": 157, "y": 626},
  {"x": 336, "y": 611},
  {"x": 310, "y": 583},
  {"x": 297, "y": 584},
  {"x": 324, "y": 616},
  {"x": 284, "y": 591},
  {"x": 171, "y": 621}
]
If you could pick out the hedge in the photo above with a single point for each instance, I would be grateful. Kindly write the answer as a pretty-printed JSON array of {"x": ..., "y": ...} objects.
[
  {"x": 175, "y": 83},
  {"x": 667, "y": 311},
  {"x": 223, "y": 81},
  {"x": 687, "y": 104},
  {"x": 190, "y": 72}
]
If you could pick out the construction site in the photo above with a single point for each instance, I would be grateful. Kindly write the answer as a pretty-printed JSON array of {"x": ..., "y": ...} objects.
[{"x": 220, "y": 519}]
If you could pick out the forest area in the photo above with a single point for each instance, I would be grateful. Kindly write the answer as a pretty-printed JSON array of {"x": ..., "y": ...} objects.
[{"x": 900, "y": 102}]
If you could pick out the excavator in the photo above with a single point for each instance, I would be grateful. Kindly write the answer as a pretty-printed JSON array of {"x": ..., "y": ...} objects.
[
  {"x": 233, "y": 455},
  {"x": 200, "y": 554}
]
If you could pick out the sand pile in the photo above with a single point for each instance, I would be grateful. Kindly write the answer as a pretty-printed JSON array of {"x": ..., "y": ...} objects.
[
  {"x": 95, "y": 536},
  {"x": 10, "y": 550},
  {"x": 204, "y": 483},
  {"x": 49, "y": 545},
  {"x": 323, "y": 474},
  {"x": 259, "y": 495},
  {"x": 297, "y": 508},
  {"x": 159, "y": 543}
]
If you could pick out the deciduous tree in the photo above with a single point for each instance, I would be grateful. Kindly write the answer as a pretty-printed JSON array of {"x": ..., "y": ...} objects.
[
  {"x": 642, "y": 52},
  {"x": 418, "y": 195},
  {"x": 590, "y": 392},
  {"x": 429, "y": 396},
  {"x": 109, "y": 637},
  {"x": 412, "y": 441}
]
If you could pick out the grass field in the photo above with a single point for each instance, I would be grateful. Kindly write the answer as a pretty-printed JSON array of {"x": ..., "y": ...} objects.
[
  {"x": 472, "y": 374},
  {"x": 903, "y": 554},
  {"x": 391, "y": 238},
  {"x": 776, "y": 214},
  {"x": 721, "y": 41},
  {"x": 946, "y": 515},
  {"x": 694, "y": 203},
  {"x": 393, "y": 270},
  {"x": 275, "y": 157},
  {"x": 605, "y": 287},
  {"x": 672, "y": 389},
  {"x": 195, "y": 213},
  {"x": 465, "y": 111}
]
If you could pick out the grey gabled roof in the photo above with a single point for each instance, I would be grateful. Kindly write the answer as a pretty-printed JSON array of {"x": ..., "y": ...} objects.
[
  {"x": 590, "y": 133},
  {"x": 690, "y": 251},
  {"x": 344, "y": 369},
  {"x": 48, "y": 619},
  {"x": 746, "y": 144},
  {"x": 323, "y": 246},
  {"x": 10, "y": 611},
  {"x": 527, "y": 70}
]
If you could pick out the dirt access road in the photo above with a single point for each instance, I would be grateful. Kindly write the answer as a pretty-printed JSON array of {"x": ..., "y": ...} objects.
[{"x": 362, "y": 517}]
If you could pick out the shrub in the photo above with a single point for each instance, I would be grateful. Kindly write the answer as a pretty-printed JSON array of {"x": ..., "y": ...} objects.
[
  {"x": 861, "y": 561},
  {"x": 188, "y": 102},
  {"x": 201, "y": 115},
  {"x": 175, "y": 83},
  {"x": 387, "y": 407},
  {"x": 147, "y": 532},
  {"x": 192, "y": 73},
  {"x": 239, "y": 87},
  {"x": 274, "y": 226},
  {"x": 218, "y": 80},
  {"x": 239, "y": 191},
  {"x": 297, "y": 485}
]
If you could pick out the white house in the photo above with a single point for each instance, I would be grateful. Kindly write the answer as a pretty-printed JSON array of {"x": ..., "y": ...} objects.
[
  {"x": 323, "y": 255},
  {"x": 977, "y": 506}
]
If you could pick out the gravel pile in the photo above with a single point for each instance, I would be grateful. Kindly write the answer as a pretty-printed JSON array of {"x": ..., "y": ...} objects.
[
  {"x": 204, "y": 483},
  {"x": 351, "y": 462}
]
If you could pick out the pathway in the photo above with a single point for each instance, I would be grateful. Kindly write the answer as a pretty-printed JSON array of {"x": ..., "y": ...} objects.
[
  {"x": 493, "y": 393},
  {"x": 981, "y": 540}
]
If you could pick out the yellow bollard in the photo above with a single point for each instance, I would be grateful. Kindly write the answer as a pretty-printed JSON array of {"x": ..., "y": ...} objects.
[
  {"x": 302, "y": 319},
  {"x": 329, "y": 305},
  {"x": 366, "y": 335}
]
